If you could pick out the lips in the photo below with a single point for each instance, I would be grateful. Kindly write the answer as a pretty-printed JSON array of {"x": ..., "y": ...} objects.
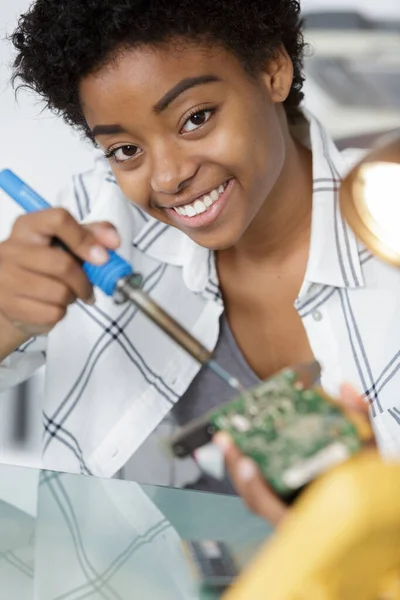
[
  {"x": 197, "y": 214},
  {"x": 201, "y": 204}
]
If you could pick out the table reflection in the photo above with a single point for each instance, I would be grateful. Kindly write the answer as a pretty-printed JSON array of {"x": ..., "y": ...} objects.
[{"x": 68, "y": 537}]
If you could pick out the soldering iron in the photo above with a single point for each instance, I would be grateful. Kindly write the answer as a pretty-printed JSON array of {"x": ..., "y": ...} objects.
[{"x": 117, "y": 279}]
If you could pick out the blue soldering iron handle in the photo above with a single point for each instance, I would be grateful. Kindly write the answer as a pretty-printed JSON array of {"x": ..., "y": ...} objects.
[{"x": 105, "y": 276}]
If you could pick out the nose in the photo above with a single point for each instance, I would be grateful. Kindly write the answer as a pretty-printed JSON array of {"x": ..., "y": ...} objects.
[{"x": 172, "y": 169}]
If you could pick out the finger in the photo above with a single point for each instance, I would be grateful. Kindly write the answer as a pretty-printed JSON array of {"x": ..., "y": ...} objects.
[
  {"x": 350, "y": 398},
  {"x": 25, "y": 284},
  {"x": 40, "y": 228},
  {"x": 24, "y": 330},
  {"x": 232, "y": 454},
  {"x": 249, "y": 482},
  {"x": 355, "y": 407},
  {"x": 31, "y": 312},
  {"x": 105, "y": 233},
  {"x": 251, "y": 485},
  {"x": 54, "y": 263}
]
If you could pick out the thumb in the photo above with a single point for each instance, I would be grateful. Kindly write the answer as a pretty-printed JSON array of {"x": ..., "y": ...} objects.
[
  {"x": 356, "y": 408},
  {"x": 351, "y": 399}
]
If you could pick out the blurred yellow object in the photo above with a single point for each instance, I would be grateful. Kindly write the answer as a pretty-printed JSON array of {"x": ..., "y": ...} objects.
[{"x": 341, "y": 540}]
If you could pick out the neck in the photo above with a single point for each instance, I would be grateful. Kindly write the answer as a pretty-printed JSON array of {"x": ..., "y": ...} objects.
[{"x": 282, "y": 226}]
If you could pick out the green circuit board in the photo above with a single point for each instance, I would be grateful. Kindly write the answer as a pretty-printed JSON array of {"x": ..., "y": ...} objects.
[{"x": 291, "y": 432}]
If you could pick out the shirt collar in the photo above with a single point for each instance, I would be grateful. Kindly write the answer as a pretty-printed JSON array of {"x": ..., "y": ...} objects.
[
  {"x": 169, "y": 245},
  {"x": 333, "y": 258}
]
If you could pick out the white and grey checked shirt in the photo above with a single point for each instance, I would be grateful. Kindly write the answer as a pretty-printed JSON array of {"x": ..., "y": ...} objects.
[{"x": 112, "y": 376}]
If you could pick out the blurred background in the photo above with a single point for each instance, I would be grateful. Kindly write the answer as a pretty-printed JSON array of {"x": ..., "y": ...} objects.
[{"x": 353, "y": 86}]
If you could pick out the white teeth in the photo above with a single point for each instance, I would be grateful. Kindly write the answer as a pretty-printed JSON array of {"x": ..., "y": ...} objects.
[
  {"x": 199, "y": 206},
  {"x": 190, "y": 211},
  {"x": 215, "y": 194},
  {"x": 180, "y": 210}
]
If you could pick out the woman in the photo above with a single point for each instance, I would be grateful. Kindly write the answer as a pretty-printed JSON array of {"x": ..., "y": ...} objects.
[{"x": 226, "y": 200}]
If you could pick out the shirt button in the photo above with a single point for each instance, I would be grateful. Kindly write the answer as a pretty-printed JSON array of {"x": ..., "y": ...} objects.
[{"x": 317, "y": 315}]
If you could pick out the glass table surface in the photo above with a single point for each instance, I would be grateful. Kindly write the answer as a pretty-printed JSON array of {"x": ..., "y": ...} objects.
[{"x": 71, "y": 537}]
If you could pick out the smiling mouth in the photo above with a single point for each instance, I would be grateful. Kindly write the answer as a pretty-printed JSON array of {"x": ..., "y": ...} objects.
[{"x": 201, "y": 204}]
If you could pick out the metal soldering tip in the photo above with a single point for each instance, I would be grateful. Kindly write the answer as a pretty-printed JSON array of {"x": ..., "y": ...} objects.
[{"x": 230, "y": 380}]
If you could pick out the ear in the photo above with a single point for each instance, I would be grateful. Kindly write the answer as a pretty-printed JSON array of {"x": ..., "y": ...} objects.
[{"x": 278, "y": 76}]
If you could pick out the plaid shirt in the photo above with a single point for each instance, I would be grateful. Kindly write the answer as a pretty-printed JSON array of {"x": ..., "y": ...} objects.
[{"x": 112, "y": 376}]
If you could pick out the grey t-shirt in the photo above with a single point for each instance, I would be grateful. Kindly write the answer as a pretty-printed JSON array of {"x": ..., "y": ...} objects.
[{"x": 207, "y": 391}]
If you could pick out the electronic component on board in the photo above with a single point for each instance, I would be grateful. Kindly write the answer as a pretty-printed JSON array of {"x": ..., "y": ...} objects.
[{"x": 290, "y": 428}]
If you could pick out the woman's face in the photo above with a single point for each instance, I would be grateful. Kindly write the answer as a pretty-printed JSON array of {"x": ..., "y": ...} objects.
[{"x": 192, "y": 139}]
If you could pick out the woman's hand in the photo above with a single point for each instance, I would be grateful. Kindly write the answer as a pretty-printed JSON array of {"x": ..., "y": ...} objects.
[
  {"x": 249, "y": 482},
  {"x": 39, "y": 281}
]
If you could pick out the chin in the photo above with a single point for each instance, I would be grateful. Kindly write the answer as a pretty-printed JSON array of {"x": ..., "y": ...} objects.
[{"x": 218, "y": 240}]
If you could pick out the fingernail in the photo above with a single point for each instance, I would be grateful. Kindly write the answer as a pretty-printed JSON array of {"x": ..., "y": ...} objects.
[
  {"x": 98, "y": 254},
  {"x": 223, "y": 442},
  {"x": 247, "y": 470}
]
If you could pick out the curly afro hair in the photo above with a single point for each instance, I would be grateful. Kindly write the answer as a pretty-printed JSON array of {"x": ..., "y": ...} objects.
[{"x": 59, "y": 43}]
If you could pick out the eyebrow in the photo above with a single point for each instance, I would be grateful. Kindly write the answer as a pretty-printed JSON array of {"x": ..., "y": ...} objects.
[
  {"x": 107, "y": 130},
  {"x": 178, "y": 89}
]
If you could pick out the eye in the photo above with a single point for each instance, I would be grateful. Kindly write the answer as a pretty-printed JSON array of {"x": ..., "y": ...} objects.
[
  {"x": 123, "y": 153},
  {"x": 196, "y": 120}
]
